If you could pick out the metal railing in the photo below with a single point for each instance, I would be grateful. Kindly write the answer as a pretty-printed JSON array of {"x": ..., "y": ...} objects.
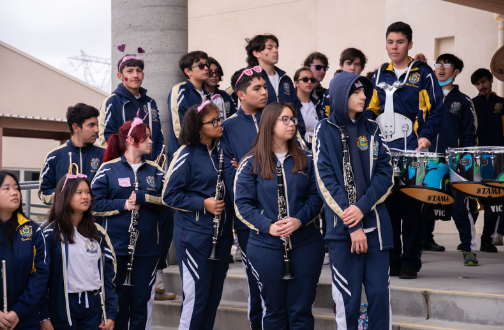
[{"x": 27, "y": 204}]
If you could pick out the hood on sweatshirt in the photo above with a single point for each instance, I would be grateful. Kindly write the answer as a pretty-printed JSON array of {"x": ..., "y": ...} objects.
[
  {"x": 339, "y": 92},
  {"x": 123, "y": 92}
]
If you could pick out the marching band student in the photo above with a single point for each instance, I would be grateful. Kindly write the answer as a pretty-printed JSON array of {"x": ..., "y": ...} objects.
[
  {"x": 459, "y": 131},
  {"x": 318, "y": 64},
  {"x": 22, "y": 246},
  {"x": 182, "y": 96},
  {"x": 420, "y": 101},
  {"x": 82, "y": 121},
  {"x": 310, "y": 110},
  {"x": 352, "y": 60},
  {"x": 222, "y": 99},
  {"x": 287, "y": 303},
  {"x": 240, "y": 132},
  {"x": 124, "y": 103},
  {"x": 190, "y": 188},
  {"x": 117, "y": 199},
  {"x": 262, "y": 50},
  {"x": 354, "y": 176},
  {"x": 82, "y": 262},
  {"x": 490, "y": 114}
]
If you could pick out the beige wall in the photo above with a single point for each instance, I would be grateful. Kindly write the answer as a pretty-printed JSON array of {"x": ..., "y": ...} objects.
[
  {"x": 330, "y": 26},
  {"x": 34, "y": 88}
]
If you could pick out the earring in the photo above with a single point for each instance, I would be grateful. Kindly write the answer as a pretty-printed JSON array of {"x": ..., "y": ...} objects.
[{"x": 200, "y": 135}]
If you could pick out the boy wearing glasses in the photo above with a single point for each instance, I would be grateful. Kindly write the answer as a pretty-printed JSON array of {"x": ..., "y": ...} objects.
[
  {"x": 220, "y": 98},
  {"x": 262, "y": 50},
  {"x": 195, "y": 67},
  {"x": 354, "y": 177},
  {"x": 459, "y": 130},
  {"x": 490, "y": 132},
  {"x": 240, "y": 132},
  {"x": 418, "y": 106},
  {"x": 318, "y": 64}
]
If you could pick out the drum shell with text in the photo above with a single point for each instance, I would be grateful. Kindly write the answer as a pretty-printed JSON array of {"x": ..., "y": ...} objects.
[{"x": 492, "y": 167}]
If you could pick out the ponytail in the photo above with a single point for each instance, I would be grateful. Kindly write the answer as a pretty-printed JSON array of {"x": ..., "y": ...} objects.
[{"x": 114, "y": 149}]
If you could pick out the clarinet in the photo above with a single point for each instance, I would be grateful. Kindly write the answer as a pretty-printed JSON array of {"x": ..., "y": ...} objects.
[
  {"x": 282, "y": 214},
  {"x": 348, "y": 175},
  {"x": 219, "y": 195},
  {"x": 4, "y": 280},
  {"x": 102, "y": 293},
  {"x": 134, "y": 233}
]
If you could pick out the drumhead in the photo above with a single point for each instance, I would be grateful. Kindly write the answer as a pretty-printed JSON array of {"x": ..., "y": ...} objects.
[
  {"x": 411, "y": 154},
  {"x": 479, "y": 150}
]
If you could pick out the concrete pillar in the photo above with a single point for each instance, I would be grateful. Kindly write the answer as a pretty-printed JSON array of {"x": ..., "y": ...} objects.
[
  {"x": 500, "y": 42},
  {"x": 160, "y": 27}
]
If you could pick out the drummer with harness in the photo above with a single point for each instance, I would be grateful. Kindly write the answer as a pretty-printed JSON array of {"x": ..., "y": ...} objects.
[{"x": 406, "y": 103}]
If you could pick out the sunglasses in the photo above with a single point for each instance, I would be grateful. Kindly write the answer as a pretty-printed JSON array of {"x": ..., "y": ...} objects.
[
  {"x": 248, "y": 72},
  {"x": 212, "y": 73},
  {"x": 445, "y": 65},
  {"x": 306, "y": 79},
  {"x": 319, "y": 67},
  {"x": 201, "y": 66},
  {"x": 286, "y": 120},
  {"x": 215, "y": 122}
]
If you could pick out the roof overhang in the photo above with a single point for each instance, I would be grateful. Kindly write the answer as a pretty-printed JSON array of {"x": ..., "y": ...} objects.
[
  {"x": 34, "y": 127},
  {"x": 493, "y": 6}
]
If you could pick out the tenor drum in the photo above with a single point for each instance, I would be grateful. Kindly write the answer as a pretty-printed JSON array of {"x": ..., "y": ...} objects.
[
  {"x": 472, "y": 173},
  {"x": 424, "y": 177}
]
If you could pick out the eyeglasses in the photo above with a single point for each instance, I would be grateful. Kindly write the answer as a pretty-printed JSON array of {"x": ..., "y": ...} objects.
[
  {"x": 201, "y": 66},
  {"x": 248, "y": 72},
  {"x": 215, "y": 122},
  {"x": 319, "y": 67},
  {"x": 72, "y": 176},
  {"x": 306, "y": 79},
  {"x": 212, "y": 73},
  {"x": 445, "y": 65},
  {"x": 286, "y": 120}
]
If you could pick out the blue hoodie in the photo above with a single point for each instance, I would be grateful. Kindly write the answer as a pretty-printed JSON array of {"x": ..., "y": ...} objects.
[
  {"x": 27, "y": 271},
  {"x": 240, "y": 132},
  {"x": 256, "y": 202},
  {"x": 182, "y": 96},
  {"x": 121, "y": 107},
  {"x": 56, "y": 164},
  {"x": 54, "y": 304},
  {"x": 112, "y": 186},
  {"x": 192, "y": 178},
  {"x": 370, "y": 159}
]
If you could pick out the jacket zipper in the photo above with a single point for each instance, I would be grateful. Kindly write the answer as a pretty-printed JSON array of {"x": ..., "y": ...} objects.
[
  {"x": 255, "y": 123},
  {"x": 80, "y": 157},
  {"x": 278, "y": 88}
]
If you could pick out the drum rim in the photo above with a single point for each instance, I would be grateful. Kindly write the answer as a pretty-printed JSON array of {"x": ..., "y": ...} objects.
[
  {"x": 419, "y": 154},
  {"x": 469, "y": 149}
]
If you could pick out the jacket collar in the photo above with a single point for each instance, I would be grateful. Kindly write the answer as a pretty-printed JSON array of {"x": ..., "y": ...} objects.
[
  {"x": 21, "y": 219},
  {"x": 191, "y": 86},
  {"x": 390, "y": 67},
  {"x": 72, "y": 147},
  {"x": 240, "y": 113}
]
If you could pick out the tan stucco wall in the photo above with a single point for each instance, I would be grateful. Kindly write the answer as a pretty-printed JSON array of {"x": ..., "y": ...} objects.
[
  {"x": 33, "y": 88},
  {"x": 330, "y": 26}
]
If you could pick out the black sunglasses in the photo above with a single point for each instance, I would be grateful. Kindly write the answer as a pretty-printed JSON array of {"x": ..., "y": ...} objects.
[
  {"x": 201, "y": 66},
  {"x": 306, "y": 79},
  {"x": 212, "y": 73},
  {"x": 319, "y": 67}
]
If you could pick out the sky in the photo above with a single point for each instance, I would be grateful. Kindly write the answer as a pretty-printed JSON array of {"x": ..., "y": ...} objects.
[{"x": 53, "y": 30}]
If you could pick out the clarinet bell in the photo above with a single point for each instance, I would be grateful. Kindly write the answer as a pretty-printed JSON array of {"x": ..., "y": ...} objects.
[
  {"x": 212, "y": 254},
  {"x": 287, "y": 275}
]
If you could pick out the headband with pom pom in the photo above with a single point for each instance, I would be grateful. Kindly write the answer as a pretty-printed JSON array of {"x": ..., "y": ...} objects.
[{"x": 136, "y": 121}]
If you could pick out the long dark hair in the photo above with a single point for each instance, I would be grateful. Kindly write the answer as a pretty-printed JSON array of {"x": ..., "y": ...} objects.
[
  {"x": 61, "y": 211},
  {"x": 264, "y": 157},
  {"x": 192, "y": 123},
  {"x": 14, "y": 223},
  {"x": 116, "y": 144}
]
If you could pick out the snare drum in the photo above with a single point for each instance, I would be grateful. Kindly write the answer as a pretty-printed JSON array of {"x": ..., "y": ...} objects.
[
  {"x": 492, "y": 167},
  {"x": 424, "y": 177},
  {"x": 470, "y": 166}
]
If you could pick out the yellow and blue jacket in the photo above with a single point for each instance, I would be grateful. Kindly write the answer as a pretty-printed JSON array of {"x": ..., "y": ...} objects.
[
  {"x": 420, "y": 100},
  {"x": 27, "y": 271}
]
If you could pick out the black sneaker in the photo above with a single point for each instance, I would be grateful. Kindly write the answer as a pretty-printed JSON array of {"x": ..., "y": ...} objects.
[
  {"x": 407, "y": 273},
  {"x": 459, "y": 247},
  {"x": 395, "y": 268},
  {"x": 487, "y": 246},
  {"x": 431, "y": 245}
]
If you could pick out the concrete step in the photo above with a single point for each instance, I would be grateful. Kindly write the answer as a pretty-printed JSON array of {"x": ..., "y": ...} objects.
[
  {"x": 422, "y": 304},
  {"x": 233, "y": 316}
]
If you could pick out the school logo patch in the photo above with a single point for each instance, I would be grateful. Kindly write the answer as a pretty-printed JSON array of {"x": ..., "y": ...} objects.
[
  {"x": 227, "y": 107},
  {"x": 154, "y": 115},
  {"x": 375, "y": 149},
  {"x": 455, "y": 107},
  {"x": 414, "y": 78},
  {"x": 362, "y": 143},
  {"x": 26, "y": 232},
  {"x": 286, "y": 88},
  {"x": 95, "y": 163},
  {"x": 150, "y": 181},
  {"x": 91, "y": 247},
  {"x": 498, "y": 106}
]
